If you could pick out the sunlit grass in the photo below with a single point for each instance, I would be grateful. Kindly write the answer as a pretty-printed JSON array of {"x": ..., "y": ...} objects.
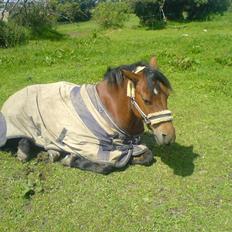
[{"x": 189, "y": 188}]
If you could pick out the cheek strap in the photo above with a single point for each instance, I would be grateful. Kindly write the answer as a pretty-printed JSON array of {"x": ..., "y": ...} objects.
[{"x": 130, "y": 89}]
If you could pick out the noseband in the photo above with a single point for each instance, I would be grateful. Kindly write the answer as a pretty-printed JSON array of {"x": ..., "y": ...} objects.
[{"x": 152, "y": 118}]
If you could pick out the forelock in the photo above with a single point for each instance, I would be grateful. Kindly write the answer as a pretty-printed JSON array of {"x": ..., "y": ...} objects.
[{"x": 155, "y": 75}]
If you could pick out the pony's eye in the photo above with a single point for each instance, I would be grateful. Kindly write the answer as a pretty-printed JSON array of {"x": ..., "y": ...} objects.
[
  {"x": 146, "y": 101},
  {"x": 155, "y": 91}
]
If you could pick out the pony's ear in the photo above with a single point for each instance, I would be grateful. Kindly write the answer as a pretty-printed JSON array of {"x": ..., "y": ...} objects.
[
  {"x": 130, "y": 75},
  {"x": 153, "y": 62}
]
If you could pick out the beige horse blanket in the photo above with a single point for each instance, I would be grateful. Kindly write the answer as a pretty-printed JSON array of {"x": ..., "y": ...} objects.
[{"x": 69, "y": 118}]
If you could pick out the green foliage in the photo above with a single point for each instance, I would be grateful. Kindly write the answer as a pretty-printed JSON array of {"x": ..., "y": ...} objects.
[
  {"x": 37, "y": 16},
  {"x": 150, "y": 12},
  {"x": 205, "y": 10},
  {"x": 195, "y": 9},
  {"x": 225, "y": 60},
  {"x": 154, "y": 12},
  {"x": 111, "y": 14},
  {"x": 69, "y": 12},
  {"x": 12, "y": 34},
  {"x": 183, "y": 63},
  {"x": 73, "y": 10}
]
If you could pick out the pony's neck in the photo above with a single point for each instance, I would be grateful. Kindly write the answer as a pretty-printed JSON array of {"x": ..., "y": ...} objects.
[{"x": 118, "y": 105}]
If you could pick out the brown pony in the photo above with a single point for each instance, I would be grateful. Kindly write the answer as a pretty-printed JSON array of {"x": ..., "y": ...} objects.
[
  {"x": 133, "y": 95},
  {"x": 152, "y": 90}
]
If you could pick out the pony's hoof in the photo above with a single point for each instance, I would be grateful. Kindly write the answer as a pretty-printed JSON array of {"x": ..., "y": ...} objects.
[
  {"x": 145, "y": 159},
  {"x": 69, "y": 160},
  {"x": 53, "y": 155},
  {"x": 23, "y": 150}
]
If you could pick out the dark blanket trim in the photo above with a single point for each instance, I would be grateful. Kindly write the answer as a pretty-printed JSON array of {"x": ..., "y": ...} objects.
[
  {"x": 3, "y": 130},
  {"x": 106, "y": 140},
  {"x": 87, "y": 117}
]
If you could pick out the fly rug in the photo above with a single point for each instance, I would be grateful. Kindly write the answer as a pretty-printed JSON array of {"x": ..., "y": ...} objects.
[
  {"x": 74, "y": 124},
  {"x": 66, "y": 118}
]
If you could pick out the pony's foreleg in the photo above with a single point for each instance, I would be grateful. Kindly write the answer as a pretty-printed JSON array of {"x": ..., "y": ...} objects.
[
  {"x": 102, "y": 168},
  {"x": 68, "y": 160},
  {"x": 76, "y": 161},
  {"x": 23, "y": 153},
  {"x": 54, "y": 155},
  {"x": 146, "y": 158}
]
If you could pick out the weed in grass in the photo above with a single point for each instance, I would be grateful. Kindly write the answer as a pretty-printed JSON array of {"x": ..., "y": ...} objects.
[{"x": 224, "y": 60}]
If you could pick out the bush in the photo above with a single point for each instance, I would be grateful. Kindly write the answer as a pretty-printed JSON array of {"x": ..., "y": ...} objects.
[
  {"x": 74, "y": 11},
  {"x": 37, "y": 16},
  {"x": 204, "y": 9},
  {"x": 150, "y": 13},
  {"x": 154, "y": 12},
  {"x": 68, "y": 12},
  {"x": 195, "y": 9},
  {"x": 12, "y": 34},
  {"x": 111, "y": 14}
]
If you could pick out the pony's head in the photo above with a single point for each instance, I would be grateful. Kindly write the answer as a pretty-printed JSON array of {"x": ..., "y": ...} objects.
[{"x": 149, "y": 90}]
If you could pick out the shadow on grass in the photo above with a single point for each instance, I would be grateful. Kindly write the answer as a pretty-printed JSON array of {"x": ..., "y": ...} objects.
[
  {"x": 178, "y": 157},
  {"x": 11, "y": 147},
  {"x": 48, "y": 34}
]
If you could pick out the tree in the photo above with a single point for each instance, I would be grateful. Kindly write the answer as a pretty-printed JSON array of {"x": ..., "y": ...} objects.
[
  {"x": 195, "y": 9},
  {"x": 38, "y": 17},
  {"x": 11, "y": 34},
  {"x": 111, "y": 14},
  {"x": 73, "y": 10},
  {"x": 155, "y": 12},
  {"x": 150, "y": 12}
]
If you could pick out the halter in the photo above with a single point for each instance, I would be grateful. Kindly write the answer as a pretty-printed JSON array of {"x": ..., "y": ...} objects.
[{"x": 152, "y": 118}]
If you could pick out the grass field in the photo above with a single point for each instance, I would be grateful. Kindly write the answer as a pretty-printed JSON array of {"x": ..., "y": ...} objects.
[{"x": 189, "y": 188}]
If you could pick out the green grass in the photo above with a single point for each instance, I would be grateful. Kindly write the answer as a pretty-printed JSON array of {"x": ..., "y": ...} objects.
[{"x": 189, "y": 188}]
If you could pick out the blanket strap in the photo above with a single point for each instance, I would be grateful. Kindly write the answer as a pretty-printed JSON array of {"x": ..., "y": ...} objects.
[
  {"x": 3, "y": 129},
  {"x": 62, "y": 135}
]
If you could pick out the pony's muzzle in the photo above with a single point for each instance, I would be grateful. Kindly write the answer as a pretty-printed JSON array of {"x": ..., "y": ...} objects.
[{"x": 164, "y": 133}]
